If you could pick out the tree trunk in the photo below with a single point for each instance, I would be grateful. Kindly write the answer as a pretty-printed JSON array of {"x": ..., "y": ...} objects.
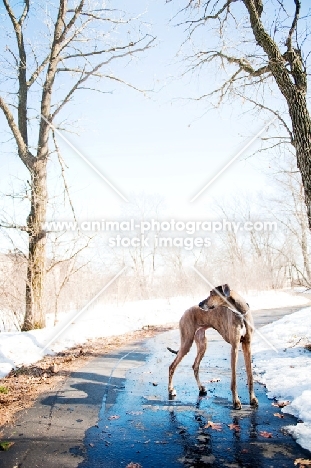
[
  {"x": 304, "y": 247},
  {"x": 301, "y": 122},
  {"x": 36, "y": 269},
  {"x": 290, "y": 75}
]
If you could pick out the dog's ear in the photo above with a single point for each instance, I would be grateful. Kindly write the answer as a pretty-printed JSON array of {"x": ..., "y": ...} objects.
[{"x": 226, "y": 290}]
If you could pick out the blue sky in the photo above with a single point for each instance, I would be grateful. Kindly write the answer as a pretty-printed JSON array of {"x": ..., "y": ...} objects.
[
  {"x": 163, "y": 142},
  {"x": 159, "y": 142}
]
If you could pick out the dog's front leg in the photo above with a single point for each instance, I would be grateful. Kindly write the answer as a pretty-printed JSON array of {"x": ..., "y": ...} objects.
[
  {"x": 246, "y": 347},
  {"x": 234, "y": 360}
]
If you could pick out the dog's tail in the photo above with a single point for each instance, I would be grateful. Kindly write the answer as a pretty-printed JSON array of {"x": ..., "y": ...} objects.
[{"x": 172, "y": 350}]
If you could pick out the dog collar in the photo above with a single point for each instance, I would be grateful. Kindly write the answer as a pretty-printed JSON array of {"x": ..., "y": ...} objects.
[
  {"x": 239, "y": 313},
  {"x": 232, "y": 310}
]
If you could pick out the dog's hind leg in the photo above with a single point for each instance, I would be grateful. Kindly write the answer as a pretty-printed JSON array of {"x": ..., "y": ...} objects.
[
  {"x": 201, "y": 342},
  {"x": 246, "y": 347},
  {"x": 183, "y": 350}
]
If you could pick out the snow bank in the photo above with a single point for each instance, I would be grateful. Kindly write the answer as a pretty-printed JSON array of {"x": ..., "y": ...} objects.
[
  {"x": 286, "y": 373},
  {"x": 274, "y": 299},
  {"x": 102, "y": 320}
]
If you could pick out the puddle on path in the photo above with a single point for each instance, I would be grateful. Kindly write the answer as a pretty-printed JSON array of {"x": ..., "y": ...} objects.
[{"x": 143, "y": 426}]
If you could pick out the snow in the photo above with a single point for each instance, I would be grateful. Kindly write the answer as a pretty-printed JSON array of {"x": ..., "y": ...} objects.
[
  {"x": 301, "y": 408},
  {"x": 273, "y": 299},
  {"x": 102, "y": 320},
  {"x": 286, "y": 373}
]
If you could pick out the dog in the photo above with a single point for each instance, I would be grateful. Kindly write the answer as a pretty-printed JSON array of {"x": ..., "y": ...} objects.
[{"x": 228, "y": 313}]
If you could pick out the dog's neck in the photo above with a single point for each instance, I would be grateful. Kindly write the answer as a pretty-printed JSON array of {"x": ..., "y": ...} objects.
[{"x": 235, "y": 311}]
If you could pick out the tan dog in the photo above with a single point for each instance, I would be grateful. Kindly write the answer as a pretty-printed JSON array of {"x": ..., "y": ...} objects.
[{"x": 228, "y": 313}]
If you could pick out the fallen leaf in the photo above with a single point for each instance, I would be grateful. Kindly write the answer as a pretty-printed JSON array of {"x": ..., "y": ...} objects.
[
  {"x": 212, "y": 425},
  {"x": 302, "y": 461},
  {"x": 278, "y": 415},
  {"x": 281, "y": 404},
  {"x": 267, "y": 435},
  {"x": 5, "y": 445},
  {"x": 236, "y": 427},
  {"x": 54, "y": 368},
  {"x": 115, "y": 416}
]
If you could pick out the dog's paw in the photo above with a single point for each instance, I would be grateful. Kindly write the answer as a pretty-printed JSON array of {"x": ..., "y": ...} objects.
[
  {"x": 237, "y": 405},
  {"x": 254, "y": 402},
  {"x": 172, "y": 392}
]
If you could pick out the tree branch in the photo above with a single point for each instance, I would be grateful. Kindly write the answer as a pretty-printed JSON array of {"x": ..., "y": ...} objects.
[
  {"x": 207, "y": 17},
  {"x": 70, "y": 93},
  {"x": 261, "y": 106},
  {"x": 25, "y": 155},
  {"x": 112, "y": 49},
  {"x": 49, "y": 81},
  {"x": 293, "y": 26},
  {"x": 37, "y": 72},
  {"x": 277, "y": 62},
  {"x": 243, "y": 63},
  {"x": 85, "y": 75},
  {"x": 293, "y": 56},
  {"x": 22, "y": 67},
  {"x": 6, "y": 225},
  {"x": 25, "y": 13},
  {"x": 11, "y": 13},
  {"x": 61, "y": 162},
  {"x": 67, "y": 28}
]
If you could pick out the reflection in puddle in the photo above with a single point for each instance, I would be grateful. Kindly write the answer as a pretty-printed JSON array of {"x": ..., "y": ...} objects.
[{"x": 157, "y": 432}]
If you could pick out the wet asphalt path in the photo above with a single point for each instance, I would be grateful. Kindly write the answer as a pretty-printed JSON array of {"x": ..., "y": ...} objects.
[{"x": 117, "y": 411}]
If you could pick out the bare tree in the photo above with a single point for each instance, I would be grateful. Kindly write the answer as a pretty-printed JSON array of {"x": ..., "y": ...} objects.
[
  {"x": 73, "y": 47},
  {"x": 292, "y": 216},
  {"x": 65, "y": 260},
  {"x": 250, "y": 251},
  {"x": 262, "y": 48},
  {"x": 142, "y": 256},
  {"x": 12, "y": 274}
]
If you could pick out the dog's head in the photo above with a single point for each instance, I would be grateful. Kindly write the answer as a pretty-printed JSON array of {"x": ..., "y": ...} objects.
[{"x": 224, "y": 296}]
